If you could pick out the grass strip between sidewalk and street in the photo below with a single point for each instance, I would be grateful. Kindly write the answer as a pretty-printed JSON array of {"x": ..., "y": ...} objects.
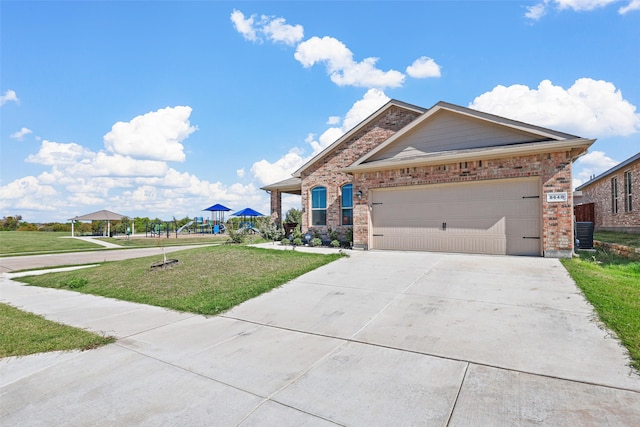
[
  {"x": 25, "y": 333},
  {"x": 612, "y": 285},
  {"x": 205, "y": 280}
]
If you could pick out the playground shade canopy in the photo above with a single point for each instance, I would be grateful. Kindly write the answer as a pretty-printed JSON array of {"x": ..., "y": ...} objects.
[
  {"x": 247, "y": 212},
  {"x": 217, "y": 208}
]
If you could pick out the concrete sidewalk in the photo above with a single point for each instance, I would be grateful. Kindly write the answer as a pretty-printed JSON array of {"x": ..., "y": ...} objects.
[
  {"x": 14, "y": 263},
  {"x": 379, "y": 338}
]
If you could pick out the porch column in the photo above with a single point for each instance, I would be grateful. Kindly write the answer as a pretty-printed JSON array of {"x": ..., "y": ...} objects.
[{"x": 276, "y": 207}]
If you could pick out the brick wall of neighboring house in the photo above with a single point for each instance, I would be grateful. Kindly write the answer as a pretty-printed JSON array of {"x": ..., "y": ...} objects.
[
  {"x": 599, "y": 193},
  {"x": 554, "y": 169},
  {"x": 326, "y": 171}
]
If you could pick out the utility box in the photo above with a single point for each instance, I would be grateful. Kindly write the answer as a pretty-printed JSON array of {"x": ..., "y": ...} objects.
[{"x": 584, "y": 235}]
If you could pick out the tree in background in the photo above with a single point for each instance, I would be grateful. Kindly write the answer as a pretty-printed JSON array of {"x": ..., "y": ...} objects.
[{"x": 10, "y": 223}]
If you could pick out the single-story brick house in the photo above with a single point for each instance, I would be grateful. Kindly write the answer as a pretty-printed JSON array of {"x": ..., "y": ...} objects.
[
  {"x": 610, "y": 197},
  {"x": 447, "y": 178}
]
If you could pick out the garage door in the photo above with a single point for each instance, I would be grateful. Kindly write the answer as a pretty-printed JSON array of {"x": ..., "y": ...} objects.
[{"x": 488, "y": 217}]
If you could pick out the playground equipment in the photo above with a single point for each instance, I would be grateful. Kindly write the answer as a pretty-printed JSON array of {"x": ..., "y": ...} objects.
[
  {"x": 247, "y": 225},
  {"x": 217, "y": 217},
  {"x": 160, "y": 228},
  {"x": 186, "y": 226}
]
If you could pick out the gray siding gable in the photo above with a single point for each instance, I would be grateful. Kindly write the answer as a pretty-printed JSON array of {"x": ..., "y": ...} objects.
[{"x": 449, "y": 131}]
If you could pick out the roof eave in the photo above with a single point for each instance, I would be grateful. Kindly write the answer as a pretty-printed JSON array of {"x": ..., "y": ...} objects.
[
  {"x": 610, "y": 171},
  {"x": 577, "y": 147}
]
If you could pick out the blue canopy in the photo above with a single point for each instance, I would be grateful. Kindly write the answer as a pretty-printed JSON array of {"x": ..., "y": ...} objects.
[
  {"x": 247, "y": 212},
  {"x": 217, "y": 208}
]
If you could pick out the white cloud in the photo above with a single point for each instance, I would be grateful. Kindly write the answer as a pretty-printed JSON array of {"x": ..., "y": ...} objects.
[
  {"x": 590, "y": 165},
  {"x": 341, "y": 67},
  {"x": 579, "y": 5},
  {"x": 590, "y": 108},
  {"x": 278, "y": 31},
  {"x": 9, "y": 96},
  {"x": 268, "y": 173},
  {"x": 156, "y": 135},
  {"x": 54, "y": 153},
  {"x": 118, "y": 165},
  {"x": 363, "y": 108},
  {"x": 25, "y": 188},
  {"x": 423, "y": 67},
  {"x": 20, "y": 134},
  {"x": 240, "y": 172},
  {"x": 538, "y": 10},
  {"x": 244, "y": 25},
  {"x": 333, "y": 120},
  {"x": 273, "y": 28},
  {"x": 633, "y": 5}
]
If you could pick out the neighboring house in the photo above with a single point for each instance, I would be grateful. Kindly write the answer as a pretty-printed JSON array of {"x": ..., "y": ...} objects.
[
  {"x": 613, "y": 197},
  {"x": 447, "y": 179}
]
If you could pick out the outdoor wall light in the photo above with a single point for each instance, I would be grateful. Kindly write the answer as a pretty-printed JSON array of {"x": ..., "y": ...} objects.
[{"x": 359, "y": 194}]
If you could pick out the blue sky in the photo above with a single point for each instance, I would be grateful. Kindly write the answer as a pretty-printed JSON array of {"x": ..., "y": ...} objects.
[{"x": 161, "y": 108}]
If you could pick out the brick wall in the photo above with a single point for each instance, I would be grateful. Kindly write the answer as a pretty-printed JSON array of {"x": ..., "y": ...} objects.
[
  {"x": 326, "y": 171},
  {"x": 599, "y": 193},
  {"x": 554, "y": 170}
]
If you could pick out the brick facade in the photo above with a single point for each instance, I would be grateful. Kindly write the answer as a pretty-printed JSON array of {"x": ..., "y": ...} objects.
[
  {"x": 327, "y": 171},
  {"x": 554, "y": 170},
  {"x": 600, "y": 194}
]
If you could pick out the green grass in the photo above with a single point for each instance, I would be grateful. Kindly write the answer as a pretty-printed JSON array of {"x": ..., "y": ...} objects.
[
  {"x": 197, "y": 239},
  {"x": 26, "y": 333},
  {"x": 626, "y": 239},
  {"x": 13, "y": 243},
  {"x": 207, "y": 280},
  {"x": 28, "y": 242},
  {"x": 612, "y": 285}
]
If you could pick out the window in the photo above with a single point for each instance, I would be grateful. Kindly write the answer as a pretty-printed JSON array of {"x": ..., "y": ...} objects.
[
  {"x": 627, "y": 192},
  {"x": 319, "y": 206},
  {"x": 347, "y": 204},
  {"x": 614, "y": 195}
]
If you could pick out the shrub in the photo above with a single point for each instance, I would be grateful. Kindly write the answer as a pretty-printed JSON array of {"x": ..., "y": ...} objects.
[
  {"x": 285, "y": 241},
  {"x": 348, "y": 237},
  {"x": 333, "y": 234},
  {"x": 297, "y": 241},
  {"x": 315, "y": 242},
  {"x": 271, "y": 232},
  {"x": 335, "y": 243},
  {"x": 237, "y": 236}
]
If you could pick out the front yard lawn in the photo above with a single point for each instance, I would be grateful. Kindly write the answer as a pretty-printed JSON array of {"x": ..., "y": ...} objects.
[
  {"x": 612, "y": 285},
  {"x": 25, "y": 333},
  {"x": 206, "y": 280}
]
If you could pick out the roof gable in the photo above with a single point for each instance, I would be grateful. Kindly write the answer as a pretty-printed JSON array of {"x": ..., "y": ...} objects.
[
  {"x": 447, "y": 127},
  {"x": 616, "y": 168},
  {"x": 351, "y": 133}
]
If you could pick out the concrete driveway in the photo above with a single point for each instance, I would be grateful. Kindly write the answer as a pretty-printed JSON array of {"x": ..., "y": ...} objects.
[{"x": 380, "y": 338}]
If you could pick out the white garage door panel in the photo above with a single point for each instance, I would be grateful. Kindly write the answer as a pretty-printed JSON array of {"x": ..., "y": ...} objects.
[{"x": 491, "y": 217}]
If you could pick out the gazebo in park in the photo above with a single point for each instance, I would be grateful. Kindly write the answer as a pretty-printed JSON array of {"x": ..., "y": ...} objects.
[{"x": 103, "y": 215}]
